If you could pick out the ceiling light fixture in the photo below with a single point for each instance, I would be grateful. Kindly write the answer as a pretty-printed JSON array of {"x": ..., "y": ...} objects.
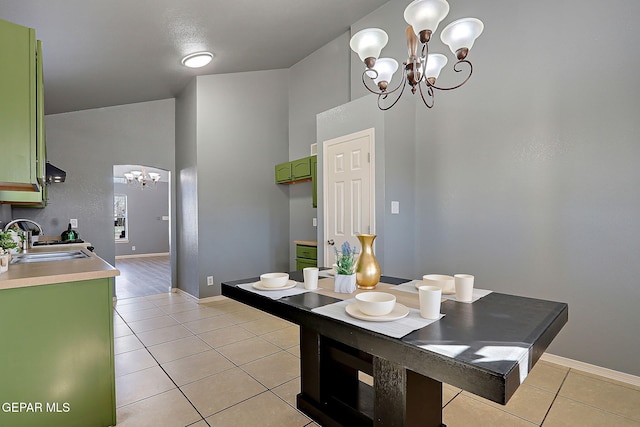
[
  {"x": 197, "y": 60},
  {"x": 423, "y": 17},
  {"x": 142, "y": 179}
]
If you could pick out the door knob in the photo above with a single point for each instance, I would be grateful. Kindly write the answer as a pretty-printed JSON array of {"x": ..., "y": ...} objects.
[{"x": 331, "y": 242}]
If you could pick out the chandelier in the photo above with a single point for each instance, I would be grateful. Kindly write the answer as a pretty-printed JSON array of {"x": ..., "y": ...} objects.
[
  {"x": 420, "y": 70},
  {"x": 142, "y": 179}
]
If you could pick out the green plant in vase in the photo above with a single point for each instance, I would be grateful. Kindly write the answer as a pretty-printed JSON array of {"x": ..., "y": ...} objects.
[
  {"x": 6, "y": 242},
  {"x": 6, "y": 245},
  {"x": 345, "y": 279}
]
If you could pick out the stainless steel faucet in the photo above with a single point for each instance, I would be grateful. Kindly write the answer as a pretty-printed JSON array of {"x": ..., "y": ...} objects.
[{"x": 17, "y": 221}]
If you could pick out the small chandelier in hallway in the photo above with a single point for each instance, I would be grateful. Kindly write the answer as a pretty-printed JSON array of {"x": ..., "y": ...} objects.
[{"x": 142, "y": 179}]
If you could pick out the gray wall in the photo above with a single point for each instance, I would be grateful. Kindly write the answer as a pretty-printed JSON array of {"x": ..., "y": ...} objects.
[
  {"x": 148, "y": 232},
  {"x": 317, "y": 83},
  {"x": 526, "y": 177},
  {"x": 86, "y": 144},
  {"x": 187, "y": 189},
  {"x": 242, "y": 216}
]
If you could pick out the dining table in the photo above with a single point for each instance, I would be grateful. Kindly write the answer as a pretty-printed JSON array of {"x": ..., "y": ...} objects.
[{"x": 486, "y": 347}]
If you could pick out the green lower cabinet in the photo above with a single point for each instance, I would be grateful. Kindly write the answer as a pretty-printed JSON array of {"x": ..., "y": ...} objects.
[
  {"x": 306, "y": 256},
  {"x": 57, "y": 362},
  {"x": 302, "y": 263}
]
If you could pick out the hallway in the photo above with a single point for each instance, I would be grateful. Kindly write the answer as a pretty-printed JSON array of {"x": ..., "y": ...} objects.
[{"x": 143, "y": 276}]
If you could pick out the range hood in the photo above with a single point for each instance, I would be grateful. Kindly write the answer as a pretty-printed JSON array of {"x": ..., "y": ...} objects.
[{"x": 54, "y": 174}]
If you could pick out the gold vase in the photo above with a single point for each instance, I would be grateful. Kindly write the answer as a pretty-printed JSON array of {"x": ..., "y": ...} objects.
[{"x": 367, "y": 267}]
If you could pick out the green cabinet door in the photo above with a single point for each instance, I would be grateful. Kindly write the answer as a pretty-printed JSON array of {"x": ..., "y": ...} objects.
[
  {"x": 18, "y": 107},
  {"x": 41, "y": 150},
  {"x": 283, "y": 172},
  {"x": 57, "y": 350},
  {"x": 302, "y": 263},
  {"x": 301, "y": 168}
]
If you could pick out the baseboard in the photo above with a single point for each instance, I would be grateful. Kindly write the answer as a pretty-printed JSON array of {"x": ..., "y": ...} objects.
[
  {"x": 199, "y": 300},
  {"x": 592, "y": 369},
  {"x": 142, "y": 255}
]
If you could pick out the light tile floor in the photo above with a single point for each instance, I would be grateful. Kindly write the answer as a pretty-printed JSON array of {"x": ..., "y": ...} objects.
[{"x": 179, "y": 363}]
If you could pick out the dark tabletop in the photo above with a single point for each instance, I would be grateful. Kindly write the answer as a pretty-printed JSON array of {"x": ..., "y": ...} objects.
[{"x": 482, "y": 341}]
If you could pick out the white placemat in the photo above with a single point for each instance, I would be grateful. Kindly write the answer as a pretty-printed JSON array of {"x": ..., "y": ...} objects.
[
  {"x": 298, "y": 289},
  {"x": 396, "y": 328},
  {"x": 410, "y": 287}
]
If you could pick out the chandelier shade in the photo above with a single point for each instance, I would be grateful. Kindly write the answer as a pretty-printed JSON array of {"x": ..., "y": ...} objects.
[
  {"x": 368, "y": 43},
  {"x": 435, "y": 63},
  {"x": 461, "y": 34},
  {"x": 426, "y": 14},
  {"x": 385, "y": 67}
]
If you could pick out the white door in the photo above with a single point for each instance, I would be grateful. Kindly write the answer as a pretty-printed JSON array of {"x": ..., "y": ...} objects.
[{"x": 348, "y": 190}]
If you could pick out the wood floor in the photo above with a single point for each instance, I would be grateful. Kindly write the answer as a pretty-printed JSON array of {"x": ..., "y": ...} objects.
[{"x": 143, "y": 276}]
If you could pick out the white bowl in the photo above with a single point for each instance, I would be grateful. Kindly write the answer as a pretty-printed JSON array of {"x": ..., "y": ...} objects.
[
  {"x": 446, "y": 283},
  {"x": 375, "y": 303},
  {"x": 274, "y": 280}
]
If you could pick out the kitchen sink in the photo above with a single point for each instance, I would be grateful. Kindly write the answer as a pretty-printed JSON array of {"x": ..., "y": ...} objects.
[{"x": 47, "y": 256}]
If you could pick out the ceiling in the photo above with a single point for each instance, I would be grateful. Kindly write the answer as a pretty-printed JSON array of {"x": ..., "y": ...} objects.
[{"x": 100, "y": 53}]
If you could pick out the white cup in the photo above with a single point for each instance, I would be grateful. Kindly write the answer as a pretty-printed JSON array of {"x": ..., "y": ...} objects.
[
  {"x": 464, "y": 287},
  {"x": 430, "y": 297},
  {"x": 310, "y": 277}
]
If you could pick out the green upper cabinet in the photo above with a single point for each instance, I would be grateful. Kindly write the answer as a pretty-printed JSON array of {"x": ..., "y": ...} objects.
[
  {"x": 294, "y": 171},
  {"x": 314, "y": 180},
  {"x": 22, "y": 137},
  {"x": 300, "y": 170}
]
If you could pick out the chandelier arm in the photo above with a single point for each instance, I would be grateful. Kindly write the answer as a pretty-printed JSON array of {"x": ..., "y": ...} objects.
[
  {"x": 384, "y": 96},
  {"x": 457, "y": 70},
  {"x": 430, "y": 94},
  {"x": 379, "y": 93}
]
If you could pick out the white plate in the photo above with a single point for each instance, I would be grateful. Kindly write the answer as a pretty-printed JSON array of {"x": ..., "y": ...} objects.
[
  {"x": 290, "y": 284},
  {"x": 398, "y": 312},
  {"x": 418, "y": 284}
]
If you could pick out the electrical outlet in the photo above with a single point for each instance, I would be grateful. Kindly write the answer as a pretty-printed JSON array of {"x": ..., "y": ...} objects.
[
  {"x": 209, "y": 280},
  {"x": 133, "y": 248},
  {"x": 395, "y": 207},
  {"x": 73, "y": 222}
]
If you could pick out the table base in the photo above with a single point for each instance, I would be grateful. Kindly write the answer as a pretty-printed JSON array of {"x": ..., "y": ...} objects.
[{"x": 333, "y": 395}]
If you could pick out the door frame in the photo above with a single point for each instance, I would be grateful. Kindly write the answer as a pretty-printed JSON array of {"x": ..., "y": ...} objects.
[{"x": 370, "y": 132}]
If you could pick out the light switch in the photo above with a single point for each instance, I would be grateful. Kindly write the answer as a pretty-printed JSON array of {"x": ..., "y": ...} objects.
[
  {"x": 395, "y": 207},
  {"x": 73, "y": 222},
  {"x": 315, "y": 222}
]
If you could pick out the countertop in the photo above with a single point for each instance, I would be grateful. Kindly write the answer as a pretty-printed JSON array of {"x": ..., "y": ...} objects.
[
  {"x": 306, "y": 242},
  {"x": 44, "y": 273}
]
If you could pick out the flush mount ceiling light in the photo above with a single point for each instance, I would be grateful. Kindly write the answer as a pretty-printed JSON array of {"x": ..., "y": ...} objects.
[
  {"x": 197, "y": 60},
  {"x": 423, "y": 17}
]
